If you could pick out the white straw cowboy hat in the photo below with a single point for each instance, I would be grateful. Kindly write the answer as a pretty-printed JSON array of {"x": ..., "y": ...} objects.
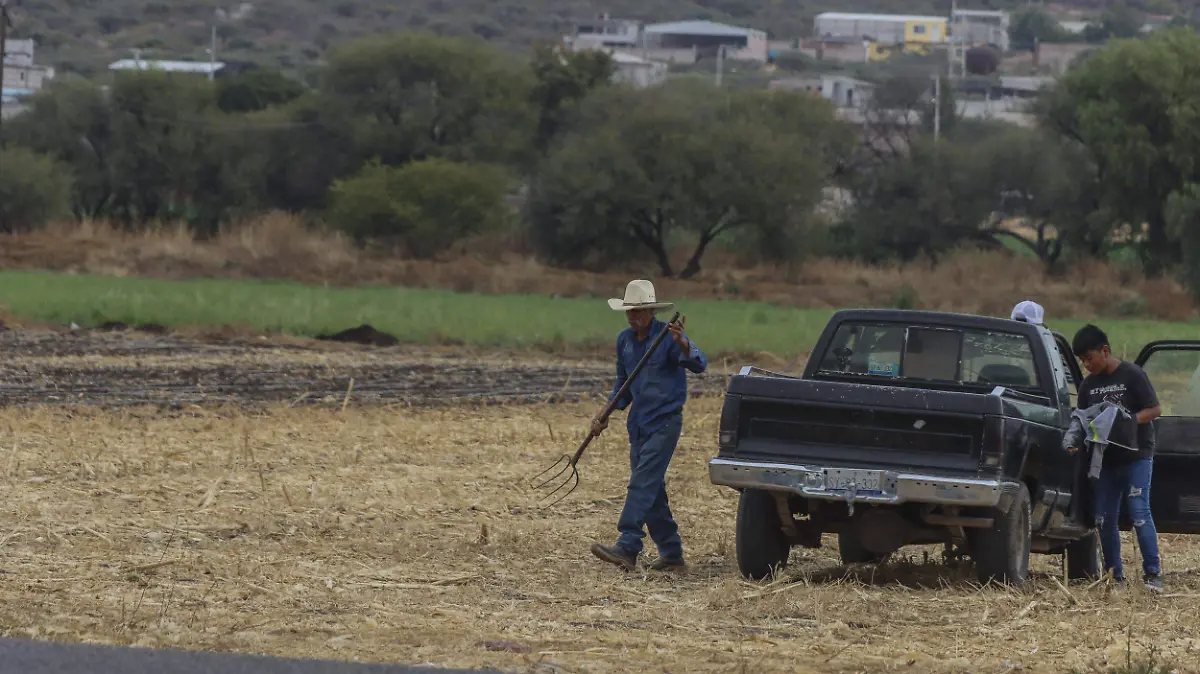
[{"x": 639, "y": 294}]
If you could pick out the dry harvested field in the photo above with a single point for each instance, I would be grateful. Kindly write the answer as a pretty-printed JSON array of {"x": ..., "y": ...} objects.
[{"x": 383, "y": 529}]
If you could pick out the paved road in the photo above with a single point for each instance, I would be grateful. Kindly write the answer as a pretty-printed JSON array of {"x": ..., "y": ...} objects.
[{"x": 19, "y": 656}]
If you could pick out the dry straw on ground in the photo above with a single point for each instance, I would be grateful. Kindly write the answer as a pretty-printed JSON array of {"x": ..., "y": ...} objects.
[
  {"x": 406, "y": 536},
  {"x": 279, "y": 246}
]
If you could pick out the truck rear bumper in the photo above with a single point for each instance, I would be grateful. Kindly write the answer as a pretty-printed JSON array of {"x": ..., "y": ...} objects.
[{"x": 857, "y": 486}]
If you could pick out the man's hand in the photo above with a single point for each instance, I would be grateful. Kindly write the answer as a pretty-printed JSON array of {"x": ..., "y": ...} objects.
[
  {"x": 1149, "y": 414},
  {"x": 598, "y": 426},
  {"x": 677, "y": 333}
]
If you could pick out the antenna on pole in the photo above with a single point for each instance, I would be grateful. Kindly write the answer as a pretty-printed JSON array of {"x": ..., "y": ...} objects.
[{"x": 212, "y": 55}]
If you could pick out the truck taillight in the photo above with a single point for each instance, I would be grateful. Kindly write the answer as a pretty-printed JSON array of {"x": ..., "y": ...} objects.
[
  {"x": 993, "y": 442},
  {"x": 727, "y": 431}
]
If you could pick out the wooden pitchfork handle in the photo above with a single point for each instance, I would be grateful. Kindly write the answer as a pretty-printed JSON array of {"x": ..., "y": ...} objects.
[{"x": 612, "y": 404}]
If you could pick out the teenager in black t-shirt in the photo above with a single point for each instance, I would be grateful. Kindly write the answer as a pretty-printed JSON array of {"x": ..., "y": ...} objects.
[{"x": 1124, "y": 473}]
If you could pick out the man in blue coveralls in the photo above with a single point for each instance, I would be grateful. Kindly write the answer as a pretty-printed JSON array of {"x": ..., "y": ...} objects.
[{"x": 654, "y": 422}]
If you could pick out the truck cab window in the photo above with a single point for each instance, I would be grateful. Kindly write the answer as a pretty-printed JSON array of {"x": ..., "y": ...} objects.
[
  {"x": 932, "y": 353},
  {"x": 865, "y": 349},
  {"x": 998, "y": 358}
]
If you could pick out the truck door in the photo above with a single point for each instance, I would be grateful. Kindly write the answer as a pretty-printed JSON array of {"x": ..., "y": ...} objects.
[
  {"x": 1174, "y": 370},
  {"x": 1071, "y": 473}
]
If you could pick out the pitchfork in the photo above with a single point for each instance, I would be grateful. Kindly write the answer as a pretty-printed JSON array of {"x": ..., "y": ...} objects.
[{"x": 569, "y": 462}]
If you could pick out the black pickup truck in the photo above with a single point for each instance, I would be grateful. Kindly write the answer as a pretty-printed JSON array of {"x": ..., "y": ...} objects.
[{"x": 913, "y": 427}]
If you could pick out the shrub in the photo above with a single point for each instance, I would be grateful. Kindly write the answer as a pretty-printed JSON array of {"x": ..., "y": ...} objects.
[
  {"x": 427, "y": 206},
  {"x": 34, "y": 189}
]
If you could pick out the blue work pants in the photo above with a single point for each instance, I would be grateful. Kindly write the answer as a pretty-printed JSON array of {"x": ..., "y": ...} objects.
[{"x": 646, "y": 499}]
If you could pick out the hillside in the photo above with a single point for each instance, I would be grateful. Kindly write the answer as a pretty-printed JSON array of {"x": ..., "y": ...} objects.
[{"x": 84, "y": 35}]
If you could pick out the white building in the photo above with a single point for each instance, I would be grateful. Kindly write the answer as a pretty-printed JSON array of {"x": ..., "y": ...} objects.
[
  {"x": 638, "y": 71},
  {"x": 980, "y": 27},
  {"x": 705, "y": 38},
  {"x": 604, "y": 32},
  {"x": 20, "y": 76}
]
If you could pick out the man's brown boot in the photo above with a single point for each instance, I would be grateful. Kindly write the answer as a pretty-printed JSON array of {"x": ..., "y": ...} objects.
[
  {"x": 669, "y": 564},
  {"x": 615, "y": 555}
]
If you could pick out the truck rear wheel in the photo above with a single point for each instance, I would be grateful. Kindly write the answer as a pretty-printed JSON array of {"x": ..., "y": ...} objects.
[
  {"x": 1084, "y": 559},
  {"x": 1001, "y": 553},
  {"x": 761, "y": 544}
]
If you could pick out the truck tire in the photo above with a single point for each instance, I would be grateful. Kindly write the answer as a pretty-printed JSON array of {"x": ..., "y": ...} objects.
[
  {"x": 1084, "y": 558},
  {"x": 1001, "y": 553},
  {"x": 760, "y": 541},
  {"x": 852, "y": 551}
]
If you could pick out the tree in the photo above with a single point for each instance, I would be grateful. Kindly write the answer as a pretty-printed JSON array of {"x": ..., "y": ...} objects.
[
  {"x": 286, "y": 158},
  {"x": 1044, "y": 182},
  {"x": 256, "y": 89},
  {"x": 34, "y": 189},
  {"x": 1033, "y": 24},
  {"x": 646, "y": 167},
  {"x": 426, "y": 205},
  {"x": 163, "y": 126},
  {"x": 70, "y": 121},
  {"x": 562, "y": 80},
  {"x": 1118, "y": 20},
  {"x": 413, "y": 96},
  {"x": 902, "y": 109},
  {"x": 138, "y": 150},
  {"x": 1183, "y": 222},
  {"x": 925, "y": 202},
  {"x": 1134, "y": 105}
]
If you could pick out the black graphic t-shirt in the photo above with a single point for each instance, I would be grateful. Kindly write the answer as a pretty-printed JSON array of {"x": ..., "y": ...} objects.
[{"x": 1129, "y": 387}]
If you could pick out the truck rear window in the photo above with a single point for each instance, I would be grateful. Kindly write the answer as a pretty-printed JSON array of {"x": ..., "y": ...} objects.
[{"x": 932, "y": 353}]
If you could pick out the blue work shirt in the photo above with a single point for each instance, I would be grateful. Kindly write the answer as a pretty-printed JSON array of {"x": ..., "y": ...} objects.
[{"x": 661, "y": 387}]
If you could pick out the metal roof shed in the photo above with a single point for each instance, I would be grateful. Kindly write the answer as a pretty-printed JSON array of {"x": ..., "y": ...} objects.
[
  {"x": 698, "y": 28},
  {"x": 200, "y": 67}
]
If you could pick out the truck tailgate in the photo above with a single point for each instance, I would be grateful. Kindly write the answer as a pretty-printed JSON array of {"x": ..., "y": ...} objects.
[{"x": 847, "y": 424}]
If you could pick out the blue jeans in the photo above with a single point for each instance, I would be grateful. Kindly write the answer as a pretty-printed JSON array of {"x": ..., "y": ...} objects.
[
  {"x": 1130, "y": 483},
  {"x": 646, "y": 499}
]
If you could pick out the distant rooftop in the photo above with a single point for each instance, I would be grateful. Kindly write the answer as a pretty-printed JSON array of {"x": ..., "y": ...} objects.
[
  {"x": 710, "y": 28},
  {"x": 628, "y": 59},
  {"x": 168, "y": 66},
  {"x": 850, "y": 16},
  {"x": 1025, "y": 83}
]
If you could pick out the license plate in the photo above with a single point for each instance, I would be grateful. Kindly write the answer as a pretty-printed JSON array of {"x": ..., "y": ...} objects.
[{"x": 862, "y": 480}]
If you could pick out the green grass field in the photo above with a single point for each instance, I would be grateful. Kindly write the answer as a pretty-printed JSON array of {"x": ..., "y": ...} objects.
[{"x": 432, "y": 317}]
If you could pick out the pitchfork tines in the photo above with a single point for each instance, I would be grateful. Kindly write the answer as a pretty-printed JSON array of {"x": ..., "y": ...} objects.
[{"x": 569, "y": 468}]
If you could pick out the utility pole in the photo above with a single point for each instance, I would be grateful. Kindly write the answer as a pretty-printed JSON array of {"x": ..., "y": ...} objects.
[
  {"x": 720, "y": 63},
  {"x": 212, "y": 55},
  {"x": 955, "y": 40},
  {"x": 937, "y": 107}
]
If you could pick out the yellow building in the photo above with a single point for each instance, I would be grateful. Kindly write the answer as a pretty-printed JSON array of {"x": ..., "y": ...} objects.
[{"x": 886, "y": 33}]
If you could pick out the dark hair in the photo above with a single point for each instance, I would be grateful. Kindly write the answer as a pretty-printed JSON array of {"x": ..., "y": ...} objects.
[{"x": 1089, "y": 338}]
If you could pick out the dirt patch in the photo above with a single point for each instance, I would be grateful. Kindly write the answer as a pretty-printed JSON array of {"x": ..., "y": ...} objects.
[
  {"x": 121, "y": 369},
  {"x": 365, "y": 334}
]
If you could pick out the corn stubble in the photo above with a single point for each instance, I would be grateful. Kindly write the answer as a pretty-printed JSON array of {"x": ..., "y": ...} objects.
[{"x": 407, "y": 535}]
